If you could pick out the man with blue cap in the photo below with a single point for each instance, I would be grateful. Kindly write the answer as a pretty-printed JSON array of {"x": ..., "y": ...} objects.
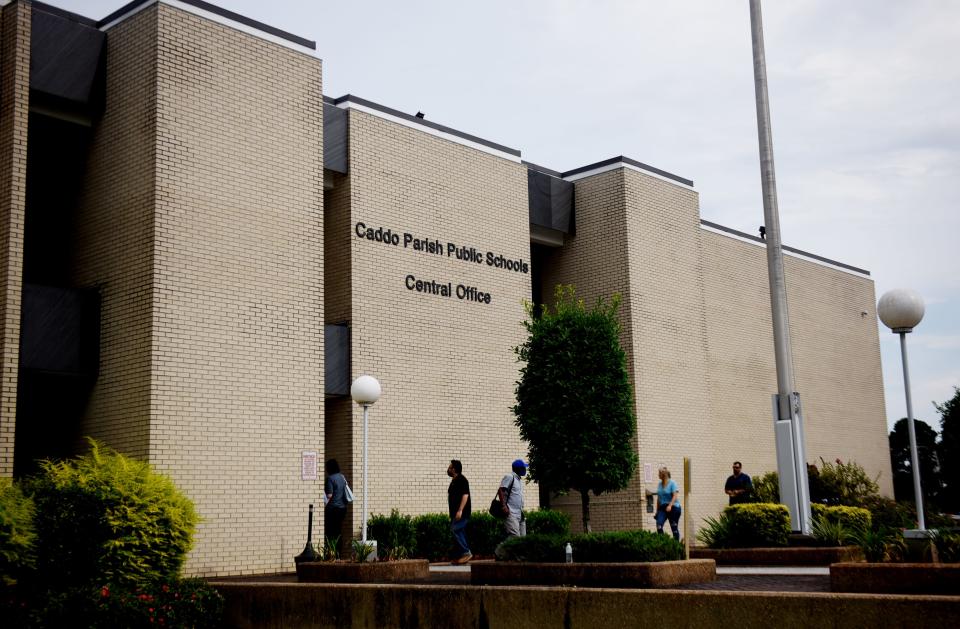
[{"x": 511, "y": 497}]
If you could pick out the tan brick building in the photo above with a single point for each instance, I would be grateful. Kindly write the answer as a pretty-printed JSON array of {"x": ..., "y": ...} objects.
[{"x": 199, "y": 251}]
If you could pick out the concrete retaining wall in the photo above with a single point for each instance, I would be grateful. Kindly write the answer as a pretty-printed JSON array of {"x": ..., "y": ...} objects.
[{"x": 292, "y": 606}]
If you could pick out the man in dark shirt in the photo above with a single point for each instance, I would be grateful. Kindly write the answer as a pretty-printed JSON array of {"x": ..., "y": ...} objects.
[
  {"x": 739, "y": 486},
  {"x": 458, "y": 500}
]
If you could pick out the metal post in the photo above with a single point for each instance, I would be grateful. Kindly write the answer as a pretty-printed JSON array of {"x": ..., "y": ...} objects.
[
  {"x": 914, "y": 458},
  {"x": 366, "y": 483},
  {"x": 797, "y": 500}
]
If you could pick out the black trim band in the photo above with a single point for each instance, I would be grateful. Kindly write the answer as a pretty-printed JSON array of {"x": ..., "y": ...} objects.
[
  {"x": 350, "y": 98},
  {"x": 67, "y": 15},
  {"x": 626, "y": 160},
  {"x": 805, "y": 254},
  {"x": 542, "y": 169},
  {"x": 230, "y": 15}
]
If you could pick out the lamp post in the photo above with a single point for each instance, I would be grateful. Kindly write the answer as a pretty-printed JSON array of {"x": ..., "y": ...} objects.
[
  {"x": 365, "y": 391},
  {"x": 787, "y": 417},
  {"x": 901, "y": 310}
]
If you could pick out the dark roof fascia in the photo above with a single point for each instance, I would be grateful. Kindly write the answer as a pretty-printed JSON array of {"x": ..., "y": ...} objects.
[
  {"x": 67, "y": 15},
  {"x": 799, "y": 252},
  {"x": 542, "y": 169},
  {"x": 350, "y": 98},
  {"x": 626, "y": 160},
  {"x": 230, "y": 15}
]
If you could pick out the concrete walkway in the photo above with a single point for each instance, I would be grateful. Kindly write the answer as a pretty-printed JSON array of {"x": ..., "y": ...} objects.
[{"x": 729, "y": 579}]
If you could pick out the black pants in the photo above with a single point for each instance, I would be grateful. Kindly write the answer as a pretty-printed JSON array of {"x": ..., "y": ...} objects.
[{"x": 333, "y": 521}]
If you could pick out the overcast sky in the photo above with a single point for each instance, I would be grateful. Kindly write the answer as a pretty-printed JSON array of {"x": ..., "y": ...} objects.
[{"x": 864, "y": 100}]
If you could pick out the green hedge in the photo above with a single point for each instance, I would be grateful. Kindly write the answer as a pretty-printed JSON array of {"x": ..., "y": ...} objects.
[
  {"x": 547, "y": 522},
  {"x": 107, "y": 518},
  {"x": 617, "y": 546},
  {"x": 428, "y": 536},
  {"x": 17, "y": 532},
  {"x": 434, "y": 539},
  {"x": 396, "y": 535},
  {"x": 753, "y": 525},
  {"x": 850, "y": 518}
]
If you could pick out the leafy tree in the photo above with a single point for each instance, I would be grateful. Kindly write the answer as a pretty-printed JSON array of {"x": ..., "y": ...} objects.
[
  {"x": 949, "y": 452},
  {"x": 574, "y": 401},
  {"x": 902, "y": 466}
]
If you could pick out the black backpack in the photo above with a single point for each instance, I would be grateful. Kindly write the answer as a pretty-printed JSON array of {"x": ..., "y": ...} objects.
[{"x": 496, "y": 507}]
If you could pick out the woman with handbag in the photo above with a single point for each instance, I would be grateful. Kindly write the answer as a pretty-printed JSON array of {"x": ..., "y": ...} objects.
[{"x": 335, "y": 499}]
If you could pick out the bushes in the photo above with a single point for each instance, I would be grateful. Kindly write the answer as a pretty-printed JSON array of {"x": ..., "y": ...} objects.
[
  {"x": 434, "y": 538},
  {"x": 134, "y": 526},
  {"x": 17, "y": 533},
  {"x": 548, "y": 522},
  {"x": 396, "y": 535},
  {"x": 850, "y": 518},
  {"x": 484, "y": 533},
  {"x": 110, "y": 539},
  {"x": 746, "y": 526},
  {"x": 592, "y": 547},
  {"x": 428, "y": 536},
  {"x": 947, "y": 544},
  {"x": 840, "y": 483},
  {"x": 766, "y": 488}
]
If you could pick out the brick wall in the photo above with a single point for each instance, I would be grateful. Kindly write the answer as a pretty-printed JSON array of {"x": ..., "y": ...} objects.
[
  {"x": 836, "y": 358},
  {"x": 14, "y": 112},
  {"x": 446, "y": 365},
  {"x": 203, "y": 224},
  {"x": 697, "y": 331},
  {"x": 596, "y": 262},
  {"x": 115, "y": 232}
]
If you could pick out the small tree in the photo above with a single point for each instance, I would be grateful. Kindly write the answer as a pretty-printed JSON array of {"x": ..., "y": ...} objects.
[
  {"x": 949, "y": 452},
  {"x": 574, "y": 401},
  {"x": 902, "y": 463}
]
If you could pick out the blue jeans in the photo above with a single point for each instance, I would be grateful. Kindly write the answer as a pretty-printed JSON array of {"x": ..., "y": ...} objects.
[
  {"x": 673, "y": 516},
  {"x": 459, "y": 530}
]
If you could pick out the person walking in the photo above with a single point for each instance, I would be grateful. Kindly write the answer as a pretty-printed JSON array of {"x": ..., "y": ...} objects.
[
  {"x": 511, "y": 497},
  {"x": 668, "y": 503},
  {"x": 739, "y": 486},
  {"x": 335, "y": 502},
  {"x": 458, "y": 501}
]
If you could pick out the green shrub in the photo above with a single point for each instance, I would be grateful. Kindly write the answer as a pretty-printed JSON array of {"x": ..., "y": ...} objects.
[
  {"x": 888, "y": 513},
  {"x": 625, "y": 546},
  {"x": 851, "y": 518},
  {"x": 538, "y": 547},
  {"x": 484, "y": 533},
  {"x": 17, "y": 533},
  {"x": 547, "y": 521},
  {"x": 841, "y": 483},
  {"x": 947, "y": 544},
  {"x": 617, "y": 546},
  {"x": 174, "y": 603},
  {"x": 715, "y": 532},
  {"x": 829, "y": 533},
  {"x": 395, "y": 534},
  {"x": 434, "y": 539},
  {"x": 104, "y": 517},
  {"x": 757, "y": 525},
  {"x": 766, "y": 488},
  {"x": 880, "y": 545}
]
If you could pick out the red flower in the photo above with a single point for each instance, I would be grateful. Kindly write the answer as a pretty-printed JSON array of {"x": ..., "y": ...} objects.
[{"x": 104, "y": 592}]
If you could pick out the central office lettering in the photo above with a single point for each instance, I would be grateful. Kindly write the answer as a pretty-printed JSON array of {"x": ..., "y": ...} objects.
[
  {"x": 435, "y": 246},
  {"x": 433, "y": 287}
]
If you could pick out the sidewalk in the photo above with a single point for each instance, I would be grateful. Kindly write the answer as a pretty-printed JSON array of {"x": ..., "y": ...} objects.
[{"x": 732, "y": 579}]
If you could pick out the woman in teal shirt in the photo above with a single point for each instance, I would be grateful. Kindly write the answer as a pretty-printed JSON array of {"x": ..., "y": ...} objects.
[{"x": 668, "y": 503}]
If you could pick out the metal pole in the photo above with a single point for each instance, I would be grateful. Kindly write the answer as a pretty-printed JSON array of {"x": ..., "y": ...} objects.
[
  {"x": 778, "y": 293},
  {"x": 914, "y": 458},
  {"x": 366, "y": 483}
]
